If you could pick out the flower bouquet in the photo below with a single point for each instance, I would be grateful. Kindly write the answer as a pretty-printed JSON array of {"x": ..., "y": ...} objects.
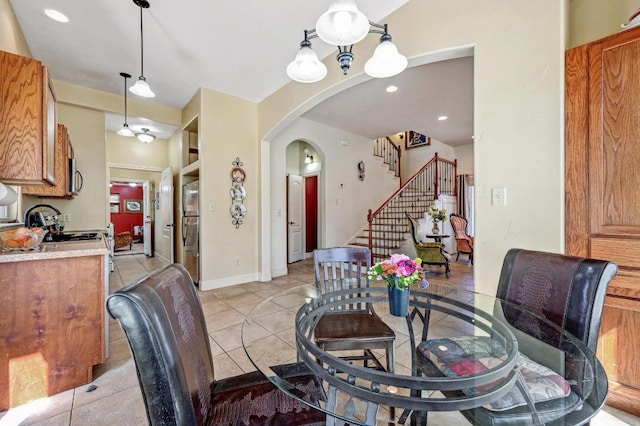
[
  {"x": 437, "y": 215},
  {"x": 400, "y": 273}
]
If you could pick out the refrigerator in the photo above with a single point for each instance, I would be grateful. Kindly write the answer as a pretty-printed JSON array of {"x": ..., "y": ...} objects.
[{"x": 190, "y": 230}]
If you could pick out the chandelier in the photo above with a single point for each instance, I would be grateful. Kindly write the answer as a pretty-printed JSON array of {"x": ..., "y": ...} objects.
[{"x": 343, "y": 25}]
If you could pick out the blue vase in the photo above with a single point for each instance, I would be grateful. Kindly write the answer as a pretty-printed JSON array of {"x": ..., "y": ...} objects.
[{"x": 398, "y": 301}]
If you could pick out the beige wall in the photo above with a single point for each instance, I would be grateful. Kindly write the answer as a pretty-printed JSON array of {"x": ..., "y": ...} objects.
[
  {"x": 594, "y": 19},
  {"x": 130, "y": 151},
  {"x": 228, "y": 130},
  {"x": 11, "y": 37},
  {"x": 464, "y": 155}
]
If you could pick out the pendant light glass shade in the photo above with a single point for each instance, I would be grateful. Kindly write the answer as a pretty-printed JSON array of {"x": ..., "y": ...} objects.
[
  {"x": 145, "y": 136},
  {"x": 343, "y": 24},
  {"x": 125, "y": 130},
  {"x": 306, "y": 67},
  {"x": 141, "y": 88},
  {"x": 386, "y": 61},
  {"x": 7, "y": 195}
]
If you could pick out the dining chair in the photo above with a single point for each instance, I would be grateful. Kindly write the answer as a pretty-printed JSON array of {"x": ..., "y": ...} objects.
[
  {"x": 431, "y": 253},
  {"x": 564, "y": 290},
  {"x": 464, "y": 242},
  {"x": 163, "y": 320},
  {"x": 357, "y": 326}
]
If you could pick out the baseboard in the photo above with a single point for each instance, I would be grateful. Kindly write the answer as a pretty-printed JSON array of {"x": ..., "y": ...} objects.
[{"x": 227, "y": 282}]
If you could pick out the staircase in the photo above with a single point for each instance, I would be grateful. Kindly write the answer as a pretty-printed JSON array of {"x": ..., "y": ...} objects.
[{"x": 387, "y": 226}]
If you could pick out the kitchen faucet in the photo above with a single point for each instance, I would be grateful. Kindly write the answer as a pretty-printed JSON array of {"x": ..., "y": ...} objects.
[{"x": 27, "y": 213}]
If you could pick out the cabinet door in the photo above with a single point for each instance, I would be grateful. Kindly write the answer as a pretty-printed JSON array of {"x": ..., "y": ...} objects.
[
  {"x": 61, "y": 167},
  {"x": 27, "y": 114},
  {"x": 602, "y": 181}
]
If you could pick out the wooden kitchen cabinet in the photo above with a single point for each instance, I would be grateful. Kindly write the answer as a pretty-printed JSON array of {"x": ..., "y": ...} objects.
[
  {"x": 52, "y": 325},
  {"x": 602, "y": 178},
  {"x": 27, "y": 122},
  {"x": 63, "y": 152}
]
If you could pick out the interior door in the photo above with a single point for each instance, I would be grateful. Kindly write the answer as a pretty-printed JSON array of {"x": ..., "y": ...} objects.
[
  {"x": 294, "y": 217},
  {"x": 167, "y": 224},
  {"x": 147, "y": 190}
]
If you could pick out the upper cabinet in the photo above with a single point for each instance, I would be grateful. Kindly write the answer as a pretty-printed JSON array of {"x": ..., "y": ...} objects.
[
  {"x": 27, "y": 122},
  {"x": 191, "y": 149},
  {"x": 63, "y": 153}
]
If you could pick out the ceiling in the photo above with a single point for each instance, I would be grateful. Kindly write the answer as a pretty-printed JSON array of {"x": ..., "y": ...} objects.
[{"x": 241, "y": 49}]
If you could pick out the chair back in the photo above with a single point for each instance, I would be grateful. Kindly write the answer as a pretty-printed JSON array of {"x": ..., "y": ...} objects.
[
  {"x": 459, "y": 225},
  {"x": 568, "y": 291},
  {"x": 339, "y": 268},
  {"x": 162, "y": 318},
  {"x": 413, "y": 226}
]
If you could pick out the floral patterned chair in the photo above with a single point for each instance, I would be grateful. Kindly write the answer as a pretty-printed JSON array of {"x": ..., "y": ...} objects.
[
  {"x": 122, "y": 239},
  {"x": 463, "y": 241}
]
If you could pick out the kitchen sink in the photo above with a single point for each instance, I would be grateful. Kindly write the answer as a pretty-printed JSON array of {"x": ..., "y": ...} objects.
[{"x": 75, "y": 236}]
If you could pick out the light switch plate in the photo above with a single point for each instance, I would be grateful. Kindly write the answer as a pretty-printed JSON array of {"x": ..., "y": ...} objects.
[{"x": 498, "y": 196}]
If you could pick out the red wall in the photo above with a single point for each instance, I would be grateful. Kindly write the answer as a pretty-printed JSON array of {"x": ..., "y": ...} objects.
[{"x": 125, "y": 221}]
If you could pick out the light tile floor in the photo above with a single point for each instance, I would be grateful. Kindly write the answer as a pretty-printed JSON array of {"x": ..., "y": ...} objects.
[{"x": 117, "y": 399}]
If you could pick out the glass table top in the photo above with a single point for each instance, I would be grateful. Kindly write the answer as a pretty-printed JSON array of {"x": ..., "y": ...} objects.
[{"x": 280, "y": 330}]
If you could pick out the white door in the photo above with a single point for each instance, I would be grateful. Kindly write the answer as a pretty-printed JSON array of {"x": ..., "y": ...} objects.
[
  {"x": 166, "y": 215},
  {"x": 294, "y": 210},
  {"x": 147, "y": 191}
]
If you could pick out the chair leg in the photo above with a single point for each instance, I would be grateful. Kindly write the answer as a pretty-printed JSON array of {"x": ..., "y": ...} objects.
[
  {"x": 446, "y": 271},
  {"x": 457, "y": 256}
]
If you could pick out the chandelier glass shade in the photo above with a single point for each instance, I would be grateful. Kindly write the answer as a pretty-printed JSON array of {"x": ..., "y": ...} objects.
[
  {"x": 343, "y": 25},
  {"x": 145, "y": 136},
  {"x": 306, "y": 67},
  {"x": 141, "y": 87},
  {"x": 386, "y": 61},
  {"x": 125, "y": 130}
]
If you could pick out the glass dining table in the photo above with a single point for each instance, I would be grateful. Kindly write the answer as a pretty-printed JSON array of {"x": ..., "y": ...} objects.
[{"x": 280, "y": 329}]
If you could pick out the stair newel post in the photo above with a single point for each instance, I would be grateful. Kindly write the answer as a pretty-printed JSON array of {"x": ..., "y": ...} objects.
[
  {"x": 370, "y": 220},
  {"x": 436, "y": 183},
  {"x": 400, "y": 165},
  {"x": 455, "y": 177}
]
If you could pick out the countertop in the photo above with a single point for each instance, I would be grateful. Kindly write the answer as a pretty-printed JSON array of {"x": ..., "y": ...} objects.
[{"x": 58, "y": 250}]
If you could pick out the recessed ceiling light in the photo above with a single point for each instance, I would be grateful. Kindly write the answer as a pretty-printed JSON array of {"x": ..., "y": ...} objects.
[
  {"x": 442, "y": 118},
  {"x": 392, "y": 88},
  {"x": 56, "y": 16}
]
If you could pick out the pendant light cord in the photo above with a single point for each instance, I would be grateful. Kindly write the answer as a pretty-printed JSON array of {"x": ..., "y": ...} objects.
[{"x": 141, "y": 45}]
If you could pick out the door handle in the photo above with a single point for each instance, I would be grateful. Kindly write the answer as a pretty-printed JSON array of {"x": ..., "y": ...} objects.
[{"x": 292, "y": 223}]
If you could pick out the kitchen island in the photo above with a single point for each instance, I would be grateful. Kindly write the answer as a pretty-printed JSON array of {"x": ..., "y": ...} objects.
[{"x": 53, "y": 326}]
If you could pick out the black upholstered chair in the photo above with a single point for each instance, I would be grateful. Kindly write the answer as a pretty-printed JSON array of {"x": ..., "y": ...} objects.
[
  {"x": 358, "y": 328},
  {"x": 163, "y": 320},
  {"x": 564, "y": 290}
]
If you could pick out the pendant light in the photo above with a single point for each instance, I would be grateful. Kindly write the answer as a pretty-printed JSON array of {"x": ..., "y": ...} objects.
[
  {"x": 141, "y": 87},
  {"x": 145, "y": 136},
  {"x": 125, "y": 130}
]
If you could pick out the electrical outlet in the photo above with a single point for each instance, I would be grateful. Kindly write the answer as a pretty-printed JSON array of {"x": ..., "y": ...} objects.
[
  {"x": 66, "y": 217},
  {"x": 237, "y": 262}
]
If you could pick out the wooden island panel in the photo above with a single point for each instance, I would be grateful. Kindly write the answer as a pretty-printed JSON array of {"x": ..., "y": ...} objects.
[{"x": 51, "y": 326}]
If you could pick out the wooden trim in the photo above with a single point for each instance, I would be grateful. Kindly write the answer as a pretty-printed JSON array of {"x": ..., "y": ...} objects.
[
  {"x": 624, "y": 398},
  {"x": 576, "y": 152}
]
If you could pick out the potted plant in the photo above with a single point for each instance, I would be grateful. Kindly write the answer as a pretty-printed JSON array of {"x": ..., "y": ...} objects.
[
  {"x": 437, "y": 215},
  {"x": 400, "y": 272}
]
